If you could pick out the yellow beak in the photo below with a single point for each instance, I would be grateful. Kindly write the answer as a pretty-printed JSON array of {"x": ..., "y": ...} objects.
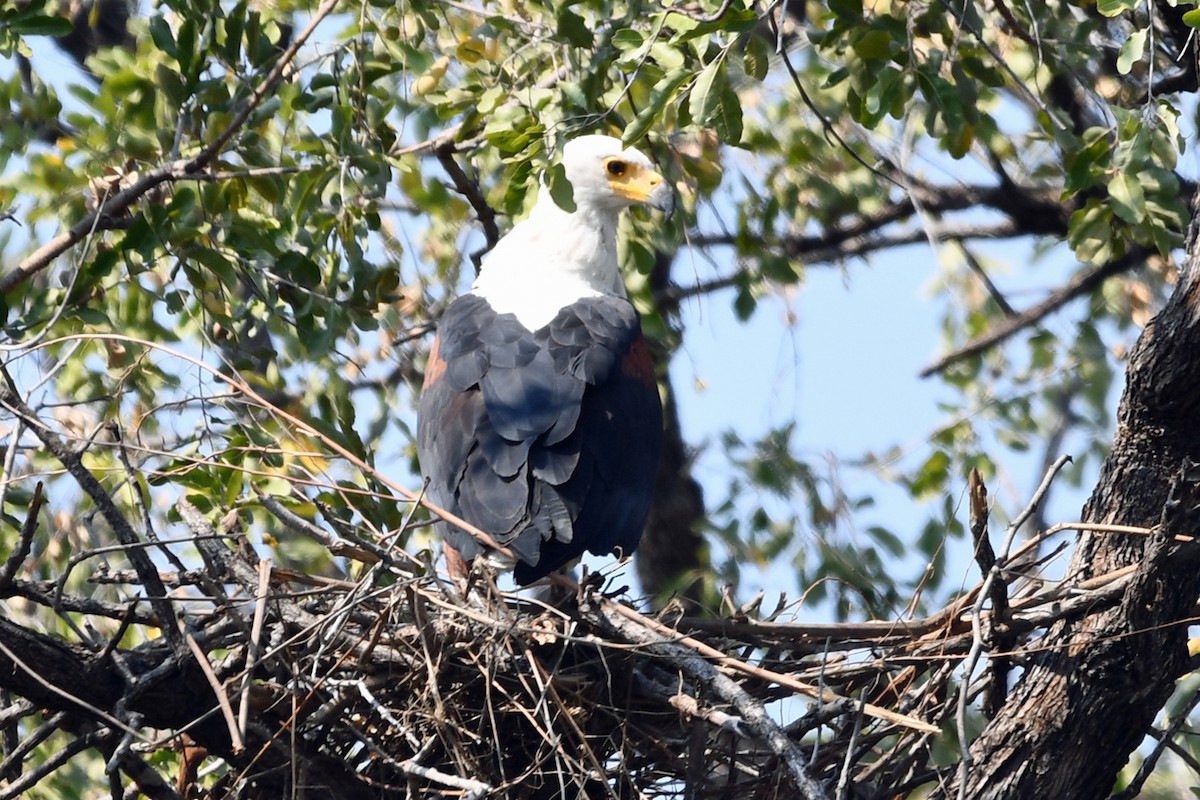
[{"x": 646, "y": 187}]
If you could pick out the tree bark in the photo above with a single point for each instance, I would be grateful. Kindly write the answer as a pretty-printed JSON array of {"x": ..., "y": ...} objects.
[{"x": 1088, "y": 697}]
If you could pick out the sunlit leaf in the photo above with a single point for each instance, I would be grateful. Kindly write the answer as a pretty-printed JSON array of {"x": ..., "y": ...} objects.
[
  {"x": 1132, "y": 50},
  {"x": 705, "y": 99}
]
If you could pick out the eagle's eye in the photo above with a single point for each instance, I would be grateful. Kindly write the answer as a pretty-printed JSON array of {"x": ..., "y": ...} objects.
[{"x": 615, "y": 167}]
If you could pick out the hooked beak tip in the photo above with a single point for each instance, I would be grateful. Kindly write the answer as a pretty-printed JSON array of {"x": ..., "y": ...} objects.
[{"x": 663, "y": 198}]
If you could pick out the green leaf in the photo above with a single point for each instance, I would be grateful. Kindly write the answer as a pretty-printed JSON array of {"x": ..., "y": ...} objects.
[
  {"x": 1114, "y": 8},
  {"x": 160, "y": 34},
  {"x": 40, "y": 25},
  {"x": 572, "y": 28},
  {"x": 757, "y": 58},
  {"x": 660, "y": 95},
  {"x": 185, "y": 48},
  {"x": 1192, "y": 18},
  {"x": 1132, "y": 51},
  {"x": 1128, "y": 199},
  {"x": 887, "y": 540},
  {"x": 847, "y": 10},
  {"x": 874, "y": 45},
  {"x": 744, "y": 303},
  {"x": 171, "y": 85},
  {"x": 1089, "y": 232},
  {"x": 728, "y": 122},
  {"x": 733, "y": 21},
  {"x": 560, "y": 188},
  {"x": 932, "y": 476},
  {"x": 235, "y": 22},
  {"x": 627, "y": 39},
  {"x": 705, "y": 99},
  {"x": 183, "y": 202},
  {"x": 667, "y": 56}
]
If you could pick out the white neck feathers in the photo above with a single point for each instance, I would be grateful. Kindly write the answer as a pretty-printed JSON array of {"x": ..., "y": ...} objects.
[{"x": 550, "y": 260}]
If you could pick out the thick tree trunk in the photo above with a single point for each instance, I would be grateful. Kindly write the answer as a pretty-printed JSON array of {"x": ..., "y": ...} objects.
[
  {"x": 671, "y": 556},
  {"x": 1090, "y": 694}
]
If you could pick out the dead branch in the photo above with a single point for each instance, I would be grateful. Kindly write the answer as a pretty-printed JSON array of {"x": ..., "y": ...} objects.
[{"x": 751, "y": 710}]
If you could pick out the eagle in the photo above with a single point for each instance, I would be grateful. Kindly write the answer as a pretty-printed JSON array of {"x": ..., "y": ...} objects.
[{"x": 540, "y": 421}]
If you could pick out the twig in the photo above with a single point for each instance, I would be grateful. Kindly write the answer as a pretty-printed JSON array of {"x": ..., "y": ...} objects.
[
  {"x": 443, "y": 148},
  {"x": 69, "y": 751},
  {"x": 260, "y": 613},
  {"x": 77, "y": 559},
  {"x": 750, "y": 709},
  {"x": 686, "y": 704},
  {"x": 100, "y": 714},
  {"x": 17, "y": 711},
  {"x": 977, "y": 643},
  {"x": 147, "y": 779},
  {"x": 13, "y": 760},
  {"x": 24, "y": 542},
  {"x": 985, "y": 556},
  {"x": 218, "y": 690},
  {"x": 1164, "y": 737},
  {"x": 843, "y": 784},
  {"x": 758, "y": 672},
  {"x": 300, "y": 425},
  {"x": 994, "y": 291},
  {"x": 1081, "y": 284},
  {"x": 826, "y": 125},
  {"x": 689, "y": 11},
  {"x": 359, "y": 551},
  {"x": 113, "y": 206},
  {"x": 139, "y": 500}
]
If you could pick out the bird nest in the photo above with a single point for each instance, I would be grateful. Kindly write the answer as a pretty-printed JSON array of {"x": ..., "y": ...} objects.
[{"x": 400, "y": 684}]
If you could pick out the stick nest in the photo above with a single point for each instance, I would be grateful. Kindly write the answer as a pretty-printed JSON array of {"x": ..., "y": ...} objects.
[{"x": 272, "y": 683}]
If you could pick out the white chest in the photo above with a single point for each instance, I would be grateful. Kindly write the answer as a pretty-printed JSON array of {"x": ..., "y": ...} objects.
[
  {"x": 534, "y": 300},
  {"x": 549, "y": 261}
]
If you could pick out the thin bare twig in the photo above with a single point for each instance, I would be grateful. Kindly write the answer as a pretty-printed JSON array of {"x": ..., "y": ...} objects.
[
  {"x": 1079, "y": 285},
  {"x": 977, "y": 637},
  {"x": 25, "y": 541},
  {"x": 51, "y": 764},
  {"x": 255, "y": 643},
  {"x": 749, "y": 708},
  {"x": 218, "y": 690},
  {"x": 1164, "y": 737}
]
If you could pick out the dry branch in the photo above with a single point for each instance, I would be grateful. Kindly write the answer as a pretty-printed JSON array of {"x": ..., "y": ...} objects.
[{"x": 147, "y": 573}]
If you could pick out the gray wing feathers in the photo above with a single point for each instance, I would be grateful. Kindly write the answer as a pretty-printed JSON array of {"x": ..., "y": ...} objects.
[{"x": 524, "y": 434}]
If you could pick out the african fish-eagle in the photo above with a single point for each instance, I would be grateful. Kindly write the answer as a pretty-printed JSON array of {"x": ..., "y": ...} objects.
[{"x": 540, "y": 421}]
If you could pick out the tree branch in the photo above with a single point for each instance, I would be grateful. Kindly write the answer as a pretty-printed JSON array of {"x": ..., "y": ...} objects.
[
  {"x": 1081, "y": 284},
  {"x": 112, "y": 207},
  {"x": 444, "y": 148},
  {"x": 147, "y": 572}
]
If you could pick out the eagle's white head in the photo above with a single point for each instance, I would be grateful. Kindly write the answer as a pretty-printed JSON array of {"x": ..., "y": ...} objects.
[
  {"x": 606, "y": 176},
  {"x": 554, "y": 257}
]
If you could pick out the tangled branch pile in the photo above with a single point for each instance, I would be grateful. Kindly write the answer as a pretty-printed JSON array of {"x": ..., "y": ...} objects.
[{"x": 266, "y": 683}]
